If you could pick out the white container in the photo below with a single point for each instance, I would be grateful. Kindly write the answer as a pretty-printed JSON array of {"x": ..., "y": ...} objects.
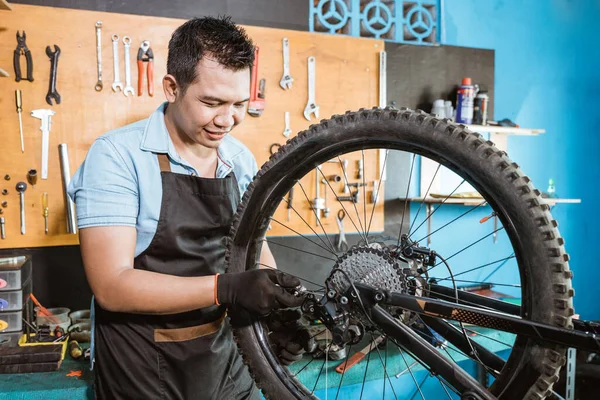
[{"x": 60, "y": 318}]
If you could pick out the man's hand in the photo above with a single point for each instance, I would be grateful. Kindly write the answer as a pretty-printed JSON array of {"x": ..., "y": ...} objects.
[{"x": 259, "y": 291}]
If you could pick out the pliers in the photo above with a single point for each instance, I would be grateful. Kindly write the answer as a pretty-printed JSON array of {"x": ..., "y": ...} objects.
[
  {"x": 22, "y": 50},
  {"x": 145, "y": 54}
]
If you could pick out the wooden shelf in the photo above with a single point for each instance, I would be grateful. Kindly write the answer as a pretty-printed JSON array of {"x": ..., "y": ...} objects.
[
  {"x": 475, "y": 201},
  {"x": 506, "y": 130}
]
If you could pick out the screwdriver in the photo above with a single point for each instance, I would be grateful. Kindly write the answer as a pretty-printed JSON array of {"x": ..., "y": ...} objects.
[
  {"x": 19, "y": 110},
  {"x": 289, "y": 203},
  {"x": 45, "y": 213}
]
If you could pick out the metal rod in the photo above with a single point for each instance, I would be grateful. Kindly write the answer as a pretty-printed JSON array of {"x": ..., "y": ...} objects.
[{"x": 63, "y": 153}]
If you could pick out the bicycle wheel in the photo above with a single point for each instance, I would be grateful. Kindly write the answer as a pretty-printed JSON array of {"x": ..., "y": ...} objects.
[{"x": 525, "y": 369}]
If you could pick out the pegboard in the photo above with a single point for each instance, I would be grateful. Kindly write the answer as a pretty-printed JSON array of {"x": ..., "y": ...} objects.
[{"x": 346, "y": 75}]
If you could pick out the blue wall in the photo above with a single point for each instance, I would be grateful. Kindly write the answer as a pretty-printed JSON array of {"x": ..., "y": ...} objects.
[{"x": 547, "y": 76}]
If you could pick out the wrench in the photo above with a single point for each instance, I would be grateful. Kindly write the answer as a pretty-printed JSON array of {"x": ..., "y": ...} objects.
[
  {"x": 311, "y": 106},
  {"x": 117, "y": 84},
  {"x": 52, "y": 93},
  {"x": 98, "y": 86},
  {"x": 286, "y": 79},
  {"x": 128, "y": 88},
  {"x": 341, "y": 245},
  {"x": 287, "y": 131}
]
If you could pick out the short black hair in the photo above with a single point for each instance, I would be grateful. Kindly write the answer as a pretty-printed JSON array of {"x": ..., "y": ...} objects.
[{"x": 220, "y": 37}]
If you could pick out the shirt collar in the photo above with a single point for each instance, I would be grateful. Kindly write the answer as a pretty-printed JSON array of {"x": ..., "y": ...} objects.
[{"x": 157, "y": 140}]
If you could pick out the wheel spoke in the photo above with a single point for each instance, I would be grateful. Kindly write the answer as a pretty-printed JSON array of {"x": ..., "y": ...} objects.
[
  {"x": 316, "y": 216},
  {"x": 467, "y": 247},
  {"x": 299, "y": 277},
  {"x": 359, "y": 231},
  {"x": 410, "y": 174},
  {"x": 502, "y": 260},
  {"x": 297, "y": 249},
  {"x": 304, "y": 237},
  {"x": 343, "y": 373},
  {"x": 376, "y": 198},
  {"x": 385, "y": 374},
  {"x": 433, "y": 212},
  {"x": 423, "y": 202},
  {"x": 471, "y": 209},
  {"x": 345, "y": 178},
  {"x": 309, "y": 227}
]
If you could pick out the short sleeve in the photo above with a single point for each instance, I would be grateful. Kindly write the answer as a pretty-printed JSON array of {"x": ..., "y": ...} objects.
[
  {"x": 247, "y": 170},
  {"x": 104, "y": 188}
]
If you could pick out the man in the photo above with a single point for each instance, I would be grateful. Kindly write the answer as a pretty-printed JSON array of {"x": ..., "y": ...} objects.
[{"x": 154, "y": 201}]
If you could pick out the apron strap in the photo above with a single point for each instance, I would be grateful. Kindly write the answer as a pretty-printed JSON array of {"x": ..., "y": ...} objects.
[{"x": 164, "y": 163}]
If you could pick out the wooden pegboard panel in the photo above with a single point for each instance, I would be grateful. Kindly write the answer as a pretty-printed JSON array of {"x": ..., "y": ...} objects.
[{"x": 347, "y": 79}]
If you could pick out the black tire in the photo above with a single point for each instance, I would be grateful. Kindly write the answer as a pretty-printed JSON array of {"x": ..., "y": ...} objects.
[{"x": 532, "y": 368}]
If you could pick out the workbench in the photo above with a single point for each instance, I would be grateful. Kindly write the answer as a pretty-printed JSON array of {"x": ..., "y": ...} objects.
[{"x": 50, "y": 385}]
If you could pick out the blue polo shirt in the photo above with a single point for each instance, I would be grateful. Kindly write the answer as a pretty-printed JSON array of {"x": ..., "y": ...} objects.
[{"x": 119, "y": 182}]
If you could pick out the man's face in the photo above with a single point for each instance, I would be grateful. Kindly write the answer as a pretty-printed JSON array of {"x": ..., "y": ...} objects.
[{"x": 213, "y": 104}]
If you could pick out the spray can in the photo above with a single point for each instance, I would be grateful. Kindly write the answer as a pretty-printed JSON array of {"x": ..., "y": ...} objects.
[
  {"x": 464, "y": 102},
  {"x": 480, "y": 108}
]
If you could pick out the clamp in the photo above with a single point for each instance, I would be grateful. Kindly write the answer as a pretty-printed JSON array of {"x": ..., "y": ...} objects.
[
  {"x": 145, "y": 54},
  {"x": 22, "y": 50}
]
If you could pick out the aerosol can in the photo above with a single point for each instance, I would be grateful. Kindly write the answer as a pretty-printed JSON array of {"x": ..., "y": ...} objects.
[{"x": 464, "y": 102}]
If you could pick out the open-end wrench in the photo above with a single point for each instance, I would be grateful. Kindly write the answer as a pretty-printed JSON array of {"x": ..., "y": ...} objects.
[
  {"x": 311, "y": 106},
  {"x": 128, "y": 88},
  {"x": 341, "y": 245},
  {"x": 98, "y": 86},
  {"x": 286, "y": 79},
  {"x": 52, "y": 93},
  {"x": 117, "y": 84},
  {"x": 287, "y": 131}
]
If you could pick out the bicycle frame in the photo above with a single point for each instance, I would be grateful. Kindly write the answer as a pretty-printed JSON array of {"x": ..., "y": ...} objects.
[{"x": 434, "y": 312}]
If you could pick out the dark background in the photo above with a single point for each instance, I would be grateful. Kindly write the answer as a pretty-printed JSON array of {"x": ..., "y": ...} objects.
[{"x": 416, "y": 76}]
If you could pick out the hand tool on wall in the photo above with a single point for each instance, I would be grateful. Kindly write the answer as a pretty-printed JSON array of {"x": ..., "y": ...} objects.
[
  {"x": 257, "y": 90},
  {"x": 359, "y": 169},
  {"x": 274, "y": 148},
  {"x": 2, "y": 230},
  {"x": 311, "y": 106},
  {"x": 287, "y": 131},
  {"x": 290, "y": 200},
  {"x": 65, "y": 171},
  {"x": 318, "y": 203},
  {"x": 345, "y": 175},
  {"x": 22, "y": 50},
  {"x": 341, "y": 245},
  {"x": 354, "y": 197},
  {"x": 21, "y": 188},
  {"x": 128, "y": 88},
  {"x": 98, "y": 86},
  {"x": 46, "y": 125},
  {"x": 326, "y": 209},
  {"x": 32, "y": 177},
  {"x": 145, "y": 55},
  {"x": 359, "y": 355},
  {"x": 52, "y": 92},
  {"x": 117, "y": 84},
  {"x": 19, "y": 101},
  {"x": 3, "y": 73},
  {"x": 286, "y": 79},
  {"x": 375, "y": 192},
  {"x": 45, "y": 211}
]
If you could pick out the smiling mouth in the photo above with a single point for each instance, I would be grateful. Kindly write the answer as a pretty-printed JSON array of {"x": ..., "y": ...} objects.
[{"x": 215, "y": 135}]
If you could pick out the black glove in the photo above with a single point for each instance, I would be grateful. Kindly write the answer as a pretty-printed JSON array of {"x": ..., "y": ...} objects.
[
  {"x": 288, "y": 335},
  {"x": 257, "y": 291}
]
